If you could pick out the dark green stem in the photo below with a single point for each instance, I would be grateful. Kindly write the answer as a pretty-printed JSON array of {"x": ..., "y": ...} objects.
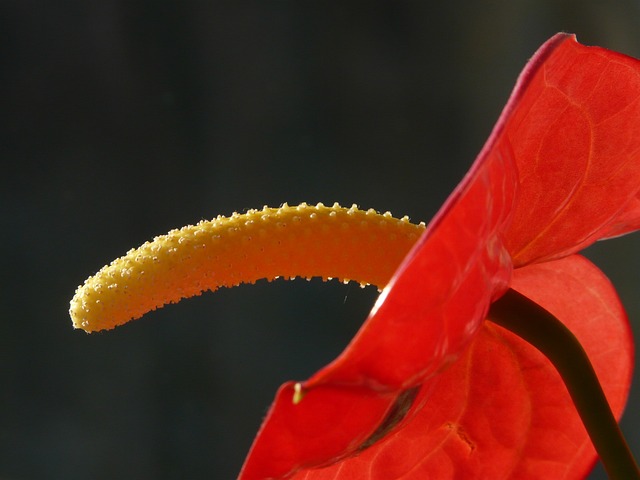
[{"x": 541, "y": 329}]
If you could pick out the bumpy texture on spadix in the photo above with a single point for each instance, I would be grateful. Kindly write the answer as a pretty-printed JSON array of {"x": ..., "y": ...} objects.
[{"x": 301, "y": 241}]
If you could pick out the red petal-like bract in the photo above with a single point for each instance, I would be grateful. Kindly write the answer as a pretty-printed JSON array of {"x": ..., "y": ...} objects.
[
  {"x": 502, "y": 411},
  {"x": 427, "y": 389},
  {"x": 575, "y": 137}
]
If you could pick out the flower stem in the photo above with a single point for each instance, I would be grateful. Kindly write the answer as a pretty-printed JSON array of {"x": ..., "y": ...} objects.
[{"x": 541, "y": 329}]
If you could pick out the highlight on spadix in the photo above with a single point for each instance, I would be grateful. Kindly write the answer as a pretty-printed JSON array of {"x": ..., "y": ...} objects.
[{"x": 291, "y": 241}]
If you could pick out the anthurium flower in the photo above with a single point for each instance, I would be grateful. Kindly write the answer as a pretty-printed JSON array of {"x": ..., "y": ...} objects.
[{"x": 428, "y": 388}]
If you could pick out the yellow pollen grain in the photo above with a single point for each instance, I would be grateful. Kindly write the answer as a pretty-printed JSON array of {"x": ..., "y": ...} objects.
[{"x": 302, "y": 241}]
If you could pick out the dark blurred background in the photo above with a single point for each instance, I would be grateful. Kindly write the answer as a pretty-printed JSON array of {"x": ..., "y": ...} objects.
[{"x": 123, "y": 119}]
